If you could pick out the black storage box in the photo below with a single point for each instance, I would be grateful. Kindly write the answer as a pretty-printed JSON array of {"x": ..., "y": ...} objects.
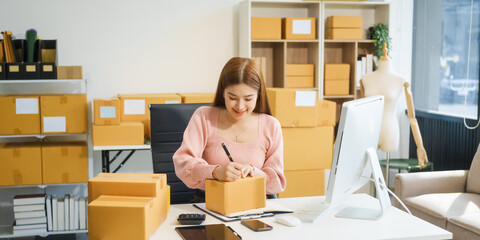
[
  {"x": 3, "y": 71},
  {"x": 15, "y": 70},
  {"x": 31, "y": 70},
  {"x": 47, "y": 56}
]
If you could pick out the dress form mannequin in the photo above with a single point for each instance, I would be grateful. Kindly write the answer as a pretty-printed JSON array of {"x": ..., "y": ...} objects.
[{"x": 385, "y": 82}]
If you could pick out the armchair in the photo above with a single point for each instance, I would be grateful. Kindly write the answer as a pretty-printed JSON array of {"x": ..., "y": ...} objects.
[{"x": 448, "y": 199}]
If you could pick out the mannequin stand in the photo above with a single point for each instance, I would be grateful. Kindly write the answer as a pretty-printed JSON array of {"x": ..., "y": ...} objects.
[{"x": 388, "y": 169}]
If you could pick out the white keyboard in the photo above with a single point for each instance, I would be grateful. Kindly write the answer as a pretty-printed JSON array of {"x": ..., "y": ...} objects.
[{"x": 312, "y": 210}]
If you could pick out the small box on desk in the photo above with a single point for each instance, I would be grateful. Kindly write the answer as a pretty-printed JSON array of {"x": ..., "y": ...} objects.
[
  {"x": 126, "y": 133},
  {"x": 240, "y": 195},
  {"x": 21, "y": 164},
  {"x": 69, "y": 72},
  {"x": 124, "y": 217},
  {"x": 127, "y": 184},
  {"x": 266, "y": 28},
  {"x": 65, "y": 162},
  {"x": 20, "y": 115},
  {"x": 299, "y": 28},
  {"x": 106, "y": 111},
  {"x": 293, "y": 108}
]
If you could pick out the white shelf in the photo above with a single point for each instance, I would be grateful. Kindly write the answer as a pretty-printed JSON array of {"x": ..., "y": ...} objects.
[
  {"x": 41, "y": 136},
  {"x": 41, "y": 185},
  {"x": 43, "y": 81},
  {"x": 6, "y": 232}
]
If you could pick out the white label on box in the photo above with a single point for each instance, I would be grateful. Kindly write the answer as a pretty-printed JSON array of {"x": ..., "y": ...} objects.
[
  {"x": 26, "y": 105},
  {"x": 301, "y": 27},
  {"x": 171, "y": 101},
  {"x": 107, "y": 112},
  {"x": 134, "y": 106},
  {"x": 305, "y": 98},
  {"x": 54, "y": 124}
]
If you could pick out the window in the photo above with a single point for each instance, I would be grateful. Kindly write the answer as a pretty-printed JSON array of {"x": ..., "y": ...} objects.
[{"x": 445, "y": 73}]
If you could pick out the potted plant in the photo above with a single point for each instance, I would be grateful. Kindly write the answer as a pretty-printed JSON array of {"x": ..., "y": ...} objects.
[{"x": 379, "y": 32}]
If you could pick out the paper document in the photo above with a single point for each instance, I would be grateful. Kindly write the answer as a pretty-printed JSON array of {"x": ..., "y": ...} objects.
[{"x": 268, "y": 211}]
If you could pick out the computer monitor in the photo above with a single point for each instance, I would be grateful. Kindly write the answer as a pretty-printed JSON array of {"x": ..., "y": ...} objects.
[{"x": 355, "y": 159}]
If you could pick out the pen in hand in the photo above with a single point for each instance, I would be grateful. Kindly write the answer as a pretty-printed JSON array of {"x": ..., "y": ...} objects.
[{"x": 227, "y": 152}]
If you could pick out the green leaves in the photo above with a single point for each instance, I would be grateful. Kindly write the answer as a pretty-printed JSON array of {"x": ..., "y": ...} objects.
[{"x": 379, "y": 32}]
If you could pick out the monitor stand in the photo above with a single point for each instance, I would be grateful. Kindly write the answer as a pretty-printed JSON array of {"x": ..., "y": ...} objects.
[{"x": 380, "y": 187}]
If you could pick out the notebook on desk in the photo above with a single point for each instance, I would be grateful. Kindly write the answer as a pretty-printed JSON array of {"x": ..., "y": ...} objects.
[{"x": 271, "y": 209}]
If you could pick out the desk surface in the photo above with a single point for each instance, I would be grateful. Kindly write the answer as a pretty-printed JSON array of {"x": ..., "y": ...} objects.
[{"x": 395, "y": 224}]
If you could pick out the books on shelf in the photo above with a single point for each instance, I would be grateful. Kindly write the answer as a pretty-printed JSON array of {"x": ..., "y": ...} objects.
[
  {"x": 61, "y": 214},
  {"x": 29, "y": 226},
  {"x": 365, "y": 65},
  {"x": 29, "y": 214},
  {"x": 31, "y": 207},
  {"x": 29, "y": 231},
  {"x": 35, "y": 220},
  {"x": 29, "y": 199}
]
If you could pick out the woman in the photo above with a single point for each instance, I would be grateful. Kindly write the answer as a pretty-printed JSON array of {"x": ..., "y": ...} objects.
[{"x": 240, "y": 118}]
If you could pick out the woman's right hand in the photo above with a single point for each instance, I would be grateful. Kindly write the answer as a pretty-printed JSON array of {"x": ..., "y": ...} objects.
[{"x": 232, "y": 171}]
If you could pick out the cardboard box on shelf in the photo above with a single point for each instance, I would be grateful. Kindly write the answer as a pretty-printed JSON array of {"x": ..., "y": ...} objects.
[
  {"x": 266, "y": 28},
  {"x": 344, "y": 33},
  {"x": 65, "y": 162},
  {"x": 69, "y": 72},
  {"x": 300, "y": 76},
  {"x": 300, "y": 82},
  {"x": 127, "y": 184},
  {"x": 337, "y": 87},
  {"x": 64, "y": 113},
  {"x": 344, "y": 22},
  {"x": 126, "y": 133},
  {"x": 299, "y": 28},
  {"x": 293, "y": 108},
  {"x": 240, "y": 195},
  {"x": 106, "y": 111},
  {"x": 197, "y": 97},
  {"x": 337, "y": 71},
  {"x": 21, "y": 164},
  {"x": 326, "y": 113},
  {"x": 20, "y": 115},
  {"x": 304, "y": 183},
  {"x": 125, "y": 217},
  {"x": 313, "y": 146}
]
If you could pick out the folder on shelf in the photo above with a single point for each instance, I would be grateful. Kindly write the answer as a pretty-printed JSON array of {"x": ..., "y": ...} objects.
[{"x": 8, "y": 47}]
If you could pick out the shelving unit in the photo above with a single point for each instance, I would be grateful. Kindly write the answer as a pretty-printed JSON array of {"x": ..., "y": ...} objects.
[{"x": 40, "y": 87}]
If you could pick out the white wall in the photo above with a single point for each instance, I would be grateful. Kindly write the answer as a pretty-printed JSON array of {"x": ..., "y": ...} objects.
[{"x": 159, "y": 46}]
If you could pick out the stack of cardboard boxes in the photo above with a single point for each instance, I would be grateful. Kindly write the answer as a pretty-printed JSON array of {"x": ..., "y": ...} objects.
[
  {"x": 43, "y": 163},
  {"x": 337, "y": 79},
  {"x": 344, "y": 28},
  {"x": 126, "y": 205},
  {"x": 307, "y": 127}
]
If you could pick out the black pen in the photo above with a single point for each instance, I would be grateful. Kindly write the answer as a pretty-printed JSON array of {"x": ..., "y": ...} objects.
[{"x": 227, "y": 152}]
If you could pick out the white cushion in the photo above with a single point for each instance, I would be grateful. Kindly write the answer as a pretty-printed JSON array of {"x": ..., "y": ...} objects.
[{"x": 443, "y": 205}]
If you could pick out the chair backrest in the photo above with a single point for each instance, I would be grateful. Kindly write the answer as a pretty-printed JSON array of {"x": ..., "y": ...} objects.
[
  {"x": 167, "y": 124},
  {"x": 473, "y": 177}
]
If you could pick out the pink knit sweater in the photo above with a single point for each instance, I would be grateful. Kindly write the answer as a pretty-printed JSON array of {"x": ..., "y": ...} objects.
[{"x": 201, "y": 151}]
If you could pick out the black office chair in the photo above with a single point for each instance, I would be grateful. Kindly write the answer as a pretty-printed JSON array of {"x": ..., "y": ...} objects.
[{"x": 167, "y": 124}]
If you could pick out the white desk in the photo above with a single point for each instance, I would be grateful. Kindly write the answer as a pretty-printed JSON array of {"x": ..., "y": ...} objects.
[
  {"x": 395, "y": 224},
  {"x": 106, "y": 161}
]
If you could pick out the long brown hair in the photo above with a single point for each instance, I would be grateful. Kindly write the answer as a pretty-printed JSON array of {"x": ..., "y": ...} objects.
[{"x": 242, "y": 70}]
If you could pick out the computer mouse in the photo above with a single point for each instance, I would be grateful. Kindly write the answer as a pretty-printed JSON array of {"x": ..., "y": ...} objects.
[{"x": 288, "y": 220}]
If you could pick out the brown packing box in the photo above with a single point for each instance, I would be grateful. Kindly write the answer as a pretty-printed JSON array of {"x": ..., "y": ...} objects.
[
  {"x": 126, "y": 184},
  {"x": 106, "y": 111},
  {"x": 125, "y": 217},
  {"x": 65, "y": 162},
  {"x": 300, "y": 76},
  {"x": 134, "y": 107},
  {"x": 344, "y": 22},
  {"x": 300, "y": 69},
  {"x": 304, "y": 183},
  {"x": 64, "y": 113},
  {"x": 197, "y": 97},
  {"x": 326, "y": 113},
  {"x": 19, "y": 115},
  {"x": 337, "y": 87},
  {"x": 297, "y": 28},
  {"x": 285, "y": 106},
  {"x": 69, "y": 72},
  {"x": 337, "y": 71},
  {"x": 240, "y": 195},
  {"x": 21, "y": 164},
  {"x": 266, "y": 28},
  {"x": 300, "y": 82},
  {"x": 126, "y": 133},
  {"x": 307, "y": 148},
  {"x": 344, "y": 33}
]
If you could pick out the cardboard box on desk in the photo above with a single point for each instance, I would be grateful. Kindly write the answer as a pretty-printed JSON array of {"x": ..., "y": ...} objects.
[
  {"x": 293, "y": 108},
  {"x": 240, "y": 195},
  {"x": 124, "y": 217},
  {"x": 266, "y": 28},
  {"x": 69, "y": 72},
  {"x": 299, "y": 28},
  {"x": 21, "y": 164},
  {"x": 304, "y": 183},
  {"x": 326, "y": 113},
  {"x": 106, "y": 111},
  {"x": 20, "y": 115},
  {"x": 197, "y": 97},
  {"x": 141, "y": 185},
  {"x": 126, "y": 133},
  {"x": 64, "y": 113},
  {"x": 307, "y": 148},
  {"x": 65, "y": 162}
]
